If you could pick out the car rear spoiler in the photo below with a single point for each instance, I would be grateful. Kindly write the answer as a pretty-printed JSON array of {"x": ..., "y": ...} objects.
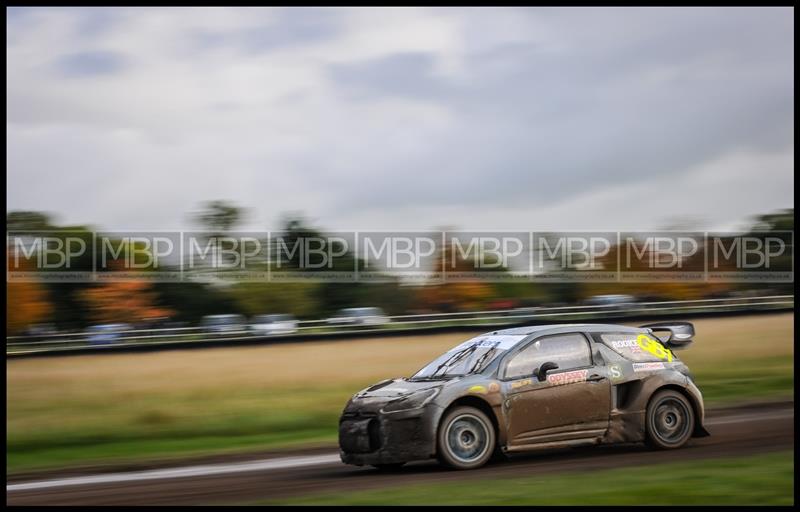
[{"x": 680, "y": 334}]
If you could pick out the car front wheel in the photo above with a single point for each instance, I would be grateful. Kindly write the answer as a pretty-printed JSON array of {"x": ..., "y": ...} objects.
[
  {"x": 466, "y": 438},
  {"x": 670, "y": 420}
]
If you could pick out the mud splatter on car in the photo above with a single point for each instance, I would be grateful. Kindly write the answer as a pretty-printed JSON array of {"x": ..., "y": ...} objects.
[{"x": 530, "y": 388}]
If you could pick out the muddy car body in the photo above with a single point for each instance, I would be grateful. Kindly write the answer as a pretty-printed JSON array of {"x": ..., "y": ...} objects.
[{"x": 526, "y": 388}]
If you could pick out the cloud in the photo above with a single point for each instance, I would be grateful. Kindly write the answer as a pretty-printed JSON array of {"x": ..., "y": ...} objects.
[
  {"x": 271, "y": 30},
  {"x": 85, "y": 64},
  {"x": 402, "y": 74},
  {"x": 414, "y": 116}
]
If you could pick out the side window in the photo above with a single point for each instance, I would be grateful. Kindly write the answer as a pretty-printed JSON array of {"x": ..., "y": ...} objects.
[
  {"x": 609, "y": 355},
  {"x": 566, "y": 350}
]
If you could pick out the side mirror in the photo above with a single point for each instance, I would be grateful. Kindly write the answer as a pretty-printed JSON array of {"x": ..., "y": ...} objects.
[{"x": 541, "y": 373}]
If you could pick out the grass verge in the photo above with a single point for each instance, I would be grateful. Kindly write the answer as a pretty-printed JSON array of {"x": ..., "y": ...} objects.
[{"x": 757, "y": 480}]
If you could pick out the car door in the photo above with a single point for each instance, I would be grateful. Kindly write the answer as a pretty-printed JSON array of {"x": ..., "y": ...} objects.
[{"x": 571, "y": 403}]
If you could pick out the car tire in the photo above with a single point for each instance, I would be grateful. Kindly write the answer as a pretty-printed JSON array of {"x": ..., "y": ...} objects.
[
  {"x": 669, "y": 420},
  {"x": 466, "y": 438}
]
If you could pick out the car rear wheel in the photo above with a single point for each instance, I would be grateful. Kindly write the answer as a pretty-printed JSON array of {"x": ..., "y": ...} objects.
[
  {"x": 466, "y": 438},
  {"x": 670, "y": 420}
]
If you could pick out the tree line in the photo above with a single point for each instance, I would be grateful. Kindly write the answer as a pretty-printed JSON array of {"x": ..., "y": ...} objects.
[{"x": 77, "y": 305}]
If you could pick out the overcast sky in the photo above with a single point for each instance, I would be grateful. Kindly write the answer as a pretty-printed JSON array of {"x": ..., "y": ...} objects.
[{"x": 517, "y": 118}]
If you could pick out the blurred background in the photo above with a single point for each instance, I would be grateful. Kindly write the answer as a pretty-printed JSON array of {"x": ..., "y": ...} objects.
[
  {"x": 306, "y": 121},
  {"x": 51, "y": 306}
]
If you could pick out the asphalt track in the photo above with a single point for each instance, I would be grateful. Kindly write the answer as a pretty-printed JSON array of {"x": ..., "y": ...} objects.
[{"x": 744, "y": 430}]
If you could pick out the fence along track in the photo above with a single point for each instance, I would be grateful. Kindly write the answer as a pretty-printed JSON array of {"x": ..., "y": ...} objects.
[{"x": 186, "y": 336}]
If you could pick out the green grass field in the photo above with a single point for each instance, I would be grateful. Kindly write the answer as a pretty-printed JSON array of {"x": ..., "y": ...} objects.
[
  {"x": 115, "y": 408},
  {"x": 756, "y": 480}
]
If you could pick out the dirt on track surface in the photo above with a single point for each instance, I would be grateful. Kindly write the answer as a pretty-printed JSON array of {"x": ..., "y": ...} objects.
[{"x": 736, "y": 431}]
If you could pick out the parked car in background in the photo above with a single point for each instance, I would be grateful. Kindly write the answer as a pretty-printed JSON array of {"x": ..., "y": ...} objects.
[
  {"x": 524, "y": 312},
  {"x": 39, "y": 332},
  {"x": 106, "y": 334},
  {"x": 270, "y": 325},
  {"x": 614, "y": 302},
  {"x": 502, "y": 304},
  {"x": 359, "y": 316},
  {"x": 220, "y": 324}
]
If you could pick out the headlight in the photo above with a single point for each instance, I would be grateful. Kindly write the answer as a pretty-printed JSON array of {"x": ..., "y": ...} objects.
[{"x": 412, "y": 401}]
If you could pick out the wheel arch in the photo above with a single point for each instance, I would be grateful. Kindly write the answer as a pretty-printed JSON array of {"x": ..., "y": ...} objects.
[
  {"x": 476, "y": 402},
  {"x": 698, "y": 430}
]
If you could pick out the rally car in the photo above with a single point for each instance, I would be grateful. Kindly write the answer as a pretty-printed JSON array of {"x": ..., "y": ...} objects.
[{"x": 527, "y": 388}]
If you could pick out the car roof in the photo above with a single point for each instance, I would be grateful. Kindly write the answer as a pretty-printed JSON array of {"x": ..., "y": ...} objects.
[{"x": 559, "y": 328}]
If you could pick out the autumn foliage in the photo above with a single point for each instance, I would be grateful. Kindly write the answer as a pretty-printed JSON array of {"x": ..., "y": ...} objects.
[
  {"x": 123, "y": 302},
  {"x": 456, "y": 296},
  {"x": 26, "y": 302},
  {"x": 667, "y": 289}
]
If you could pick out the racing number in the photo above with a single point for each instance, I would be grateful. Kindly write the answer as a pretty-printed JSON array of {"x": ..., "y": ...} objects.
[{"x": 657, "y": 349}]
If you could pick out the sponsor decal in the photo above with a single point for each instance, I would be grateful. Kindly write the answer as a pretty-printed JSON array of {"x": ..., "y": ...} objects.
[
  {"x": 500, "y": 341},
  {"x": 615, "y": 372},
  {"x": 558, "y": 379},
  {"x": 641, "y": 343},
  {"x": 631, "y": 345},
  {"x": 520, "y": 383},
  {"x": 478, "y": 389},
  {"x": 652, "y": 346},
  {"x": 647, "y": 367},
  {"x": 494, "y": 387}
]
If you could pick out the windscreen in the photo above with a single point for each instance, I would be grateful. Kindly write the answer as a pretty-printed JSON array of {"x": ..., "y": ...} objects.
[{"x": 471, "y": 356}]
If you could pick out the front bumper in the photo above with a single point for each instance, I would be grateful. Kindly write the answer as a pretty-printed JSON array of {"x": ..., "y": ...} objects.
[{"x": 369, "y": 436}]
